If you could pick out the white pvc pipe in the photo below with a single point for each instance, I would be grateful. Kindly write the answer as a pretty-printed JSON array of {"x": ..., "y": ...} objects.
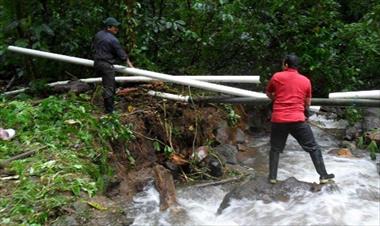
[
  {"x": 212, "y": 78},
  {"x": 182, "y": 98},
  {"x": 169, "y": 96},
  {"x": 315, "y": 108},
  {"x": 223, "y": 78},
  {"x": 140, "y": 72},
  {"x": 369, "y": 94}
]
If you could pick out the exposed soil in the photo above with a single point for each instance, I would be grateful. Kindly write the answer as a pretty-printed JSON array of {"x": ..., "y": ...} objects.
[{"x": 182, "y": 126}]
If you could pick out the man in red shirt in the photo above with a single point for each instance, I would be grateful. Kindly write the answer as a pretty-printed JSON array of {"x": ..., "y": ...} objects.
[{"x": 291, "y": 95}]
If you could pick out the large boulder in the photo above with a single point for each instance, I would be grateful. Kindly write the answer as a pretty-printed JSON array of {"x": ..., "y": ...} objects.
[
  {"x": 227, "y": 152},
  {"x": 371, "y": 118},
  {"x": 258, "y": 188}
]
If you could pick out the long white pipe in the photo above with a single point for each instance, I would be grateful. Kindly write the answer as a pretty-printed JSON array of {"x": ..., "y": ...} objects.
[
  {"x": 146, "y": 79},
  {"x": 206, "y": 78},
  {"x": 140, "y": 72},
  {"x": 224, "y": 78},
  {"x": 182, "y": 98},
  {"x": 370, "y": 94}
]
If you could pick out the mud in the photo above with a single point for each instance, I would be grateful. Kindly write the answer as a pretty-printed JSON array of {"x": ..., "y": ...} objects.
[{"x": 182, "y": 126}]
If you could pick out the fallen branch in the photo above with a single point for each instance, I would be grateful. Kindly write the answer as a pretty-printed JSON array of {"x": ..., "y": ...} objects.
[
  {"x": 10, "y": 83},
  {"x": 215, "y": 183},
  {"x": 4, "y": 163}
]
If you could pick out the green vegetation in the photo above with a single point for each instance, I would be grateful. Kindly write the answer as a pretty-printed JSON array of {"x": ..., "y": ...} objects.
[
  {"x": 71, "y": 159},
  {"x": 365, "y": 142},
  {"x": 337, "y": 40},
  {"x": 353, "y": 115},
  {"x": 232, "y": 117}
]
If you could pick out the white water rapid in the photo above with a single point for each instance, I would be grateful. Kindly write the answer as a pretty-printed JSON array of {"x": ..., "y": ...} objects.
[{"x": 356, "y": 202}]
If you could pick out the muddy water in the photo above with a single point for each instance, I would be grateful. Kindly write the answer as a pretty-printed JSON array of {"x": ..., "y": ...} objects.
[{"x": 357, "y": 202}]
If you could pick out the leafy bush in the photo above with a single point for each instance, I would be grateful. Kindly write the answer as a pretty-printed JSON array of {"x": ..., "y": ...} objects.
[
  {"x": 337, "y": 40},
  {"x": 70, "y": 159}
]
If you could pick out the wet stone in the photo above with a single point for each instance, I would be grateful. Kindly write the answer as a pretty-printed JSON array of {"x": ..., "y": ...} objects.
[
  {"x": 258, "y": 188},
  {"x": 227, "y": 152}
]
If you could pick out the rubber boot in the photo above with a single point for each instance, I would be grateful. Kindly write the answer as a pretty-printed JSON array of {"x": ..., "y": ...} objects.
[
  {"x": 273, "y": 166},
  {"x": 108, "y": 105},
  {"x": 316, "y": 157}
]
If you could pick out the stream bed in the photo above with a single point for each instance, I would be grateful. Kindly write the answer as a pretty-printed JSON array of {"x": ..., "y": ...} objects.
[{"x": 355, "y": 202}]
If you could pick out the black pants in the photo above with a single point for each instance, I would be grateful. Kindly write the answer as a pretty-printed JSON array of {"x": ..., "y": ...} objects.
[
  {"x": 107, "y": 72},
  {"x": 301, "y": 131}
]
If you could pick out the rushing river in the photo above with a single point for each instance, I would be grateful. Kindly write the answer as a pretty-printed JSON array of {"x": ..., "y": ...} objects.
[{"x": 356, "y": 202}]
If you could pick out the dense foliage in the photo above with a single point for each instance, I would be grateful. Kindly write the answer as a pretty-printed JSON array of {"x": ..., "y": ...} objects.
[
  {"x": 70, "y": 161},
  {"x": 337, "y": 40}
]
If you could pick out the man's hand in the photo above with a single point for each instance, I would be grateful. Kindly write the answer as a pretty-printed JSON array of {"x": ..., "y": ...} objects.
[
  {"x": 306, "y": 113},
  {"x": 270, "y": 95},
  {"x": 129, "y": 63}
]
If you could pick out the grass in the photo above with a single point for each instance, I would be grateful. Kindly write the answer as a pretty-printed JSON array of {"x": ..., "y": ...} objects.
[{"x": 71, "y": 162}]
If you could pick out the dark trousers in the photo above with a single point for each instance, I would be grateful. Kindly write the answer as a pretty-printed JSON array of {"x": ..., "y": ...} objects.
[
  {"x": 107, "y": 72},
  {"x": 302, "y": 132}
]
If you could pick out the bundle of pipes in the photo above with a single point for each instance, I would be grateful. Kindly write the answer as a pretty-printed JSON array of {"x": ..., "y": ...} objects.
[
  {"x": 139, "y": 72},
  {"x": 249, "y": 100},
  {"x": 246, "y": 96}
]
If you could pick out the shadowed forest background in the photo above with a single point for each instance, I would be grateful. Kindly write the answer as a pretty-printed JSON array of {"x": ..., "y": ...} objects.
[{"x": 338, "y": 41}]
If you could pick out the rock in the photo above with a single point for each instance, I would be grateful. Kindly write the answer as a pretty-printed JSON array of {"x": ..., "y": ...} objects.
[
  {"x": 373, "y": 136},
  {"x": 239, "y": 136},
  {"x": 341, "y": 152},
  {"x": 242, "y": 148},
  {"x": 165, "y": 186},
  {"x": 240, "y": 170},
  {"x": 260, "y": 189},
  {"x": 349, "y": 145},
  {"x": 137, "y": 180},
  {"x": 200, "y": 153},
  {"x": 228, "y": 135},
  {"x": 227, "y": 152},
  {"x": 175, "y": 169},
  {"x": 72, "y": 86},
  {"x": 371, "y": 118},
  {"x": 247, "y": 155},
  {"x": 215, "y": 167},
  {"x": 354, "y": 131}
]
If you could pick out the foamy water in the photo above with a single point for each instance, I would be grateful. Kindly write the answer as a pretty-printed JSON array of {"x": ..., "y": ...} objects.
[{"x": 356, "y": 202}]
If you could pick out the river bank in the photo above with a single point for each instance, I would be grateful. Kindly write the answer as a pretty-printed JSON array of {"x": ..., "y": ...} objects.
[{"x": 89, "y": 174}]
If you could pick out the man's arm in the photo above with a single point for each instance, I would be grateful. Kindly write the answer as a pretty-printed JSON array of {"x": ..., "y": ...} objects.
[
  {"x": 129, "y": 63},
  {"x": 270, "y": 90},
  {"x": 307, "y": 102}
]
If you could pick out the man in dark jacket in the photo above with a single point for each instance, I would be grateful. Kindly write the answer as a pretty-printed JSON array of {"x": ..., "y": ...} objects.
[
  {"x": 290, "y": 92},
  {"x": 108, "y": 51}
]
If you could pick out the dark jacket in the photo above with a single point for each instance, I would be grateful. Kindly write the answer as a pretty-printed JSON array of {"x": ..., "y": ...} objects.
[{"x": 107, "y": 48}]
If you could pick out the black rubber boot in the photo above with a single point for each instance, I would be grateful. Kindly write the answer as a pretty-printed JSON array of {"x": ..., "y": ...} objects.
[
  {"x": 316, "y": 157},
  {"x": 273, "y": 166},
  {"x": 108, "y": 105}
]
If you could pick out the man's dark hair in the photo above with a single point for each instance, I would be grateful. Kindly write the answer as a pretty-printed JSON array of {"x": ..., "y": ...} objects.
[{"x": 291, "y": 60}]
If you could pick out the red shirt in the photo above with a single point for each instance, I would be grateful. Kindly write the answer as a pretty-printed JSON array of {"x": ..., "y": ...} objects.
[{"x": 290, "y": 90}]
